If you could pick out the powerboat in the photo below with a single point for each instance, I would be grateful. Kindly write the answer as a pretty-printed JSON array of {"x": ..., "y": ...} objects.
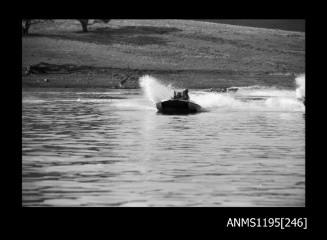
[{"x": 179, "y": 104}]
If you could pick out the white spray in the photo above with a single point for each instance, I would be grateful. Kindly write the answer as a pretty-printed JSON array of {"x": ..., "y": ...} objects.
[
  {"x": 154, "y": 90},
  {"x": 273, "y": 99},
  {"x": 214, "y": 100},
  {"x": 300, "y": 90}
]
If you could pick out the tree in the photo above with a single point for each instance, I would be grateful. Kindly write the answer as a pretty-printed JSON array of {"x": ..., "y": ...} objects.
[
  {"x": 85, "y": 23},
  {"x": 26, "y": 23}
]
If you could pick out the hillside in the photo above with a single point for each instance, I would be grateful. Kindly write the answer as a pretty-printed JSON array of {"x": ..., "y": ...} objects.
[
  {"x": 179, "y": 50},
  {"x": 297, "y": 25}
]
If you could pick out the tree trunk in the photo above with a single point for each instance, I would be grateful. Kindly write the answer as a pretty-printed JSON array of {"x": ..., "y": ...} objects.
[
  {"x": 84, "y": 23},
  {"x": 25, "y": 26}
]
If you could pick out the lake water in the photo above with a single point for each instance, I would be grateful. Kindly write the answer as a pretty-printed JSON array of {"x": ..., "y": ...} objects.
[{"x": 111, "y": 148}]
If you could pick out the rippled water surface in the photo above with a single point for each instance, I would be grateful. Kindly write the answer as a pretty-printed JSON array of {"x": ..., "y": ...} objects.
[{"x": 111, "y": 148}]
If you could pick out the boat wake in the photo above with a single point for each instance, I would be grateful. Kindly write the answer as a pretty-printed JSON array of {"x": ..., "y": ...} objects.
[{"x": 254, "y": 98}]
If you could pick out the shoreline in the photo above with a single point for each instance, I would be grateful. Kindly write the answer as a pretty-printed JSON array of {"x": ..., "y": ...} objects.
[{"x": 45, "y": 75}]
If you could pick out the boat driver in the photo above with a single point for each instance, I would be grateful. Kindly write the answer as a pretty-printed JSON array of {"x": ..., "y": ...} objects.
[{"x": 185, "y": 95}]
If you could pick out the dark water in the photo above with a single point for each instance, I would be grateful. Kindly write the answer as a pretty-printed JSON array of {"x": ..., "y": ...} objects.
[{"x": 111, "y": 148}]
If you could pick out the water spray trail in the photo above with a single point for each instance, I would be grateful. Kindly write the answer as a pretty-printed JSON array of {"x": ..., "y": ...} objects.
[
  {"x": 300, "y": 83},
  {"x": 267, "y": 98},
  {"x": 154, "y": 90},
  {"x": 212, "y": 100}
]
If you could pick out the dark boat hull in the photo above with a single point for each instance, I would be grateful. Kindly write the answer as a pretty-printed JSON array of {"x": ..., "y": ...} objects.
[{"x": 175, "y": 106}]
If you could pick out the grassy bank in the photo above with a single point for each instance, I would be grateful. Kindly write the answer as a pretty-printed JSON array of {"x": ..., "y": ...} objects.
[
  {"x": 297, "y": 25},
  {"x": 191, "y": 54}
]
